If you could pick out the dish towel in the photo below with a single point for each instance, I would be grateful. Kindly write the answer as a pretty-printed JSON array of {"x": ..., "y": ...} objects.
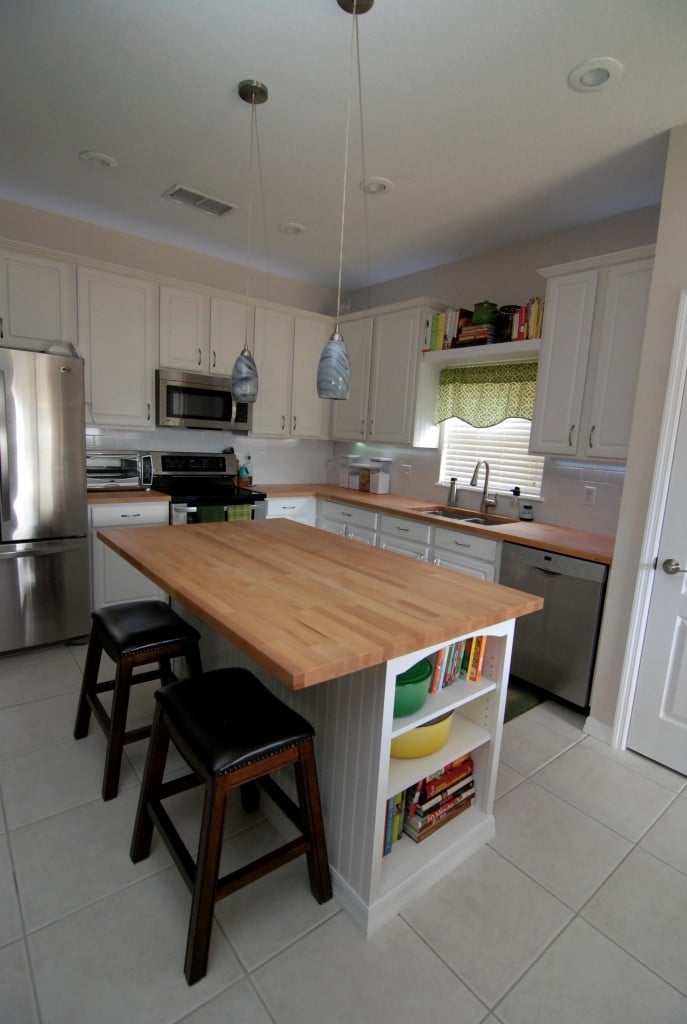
[
  {"x": 210, "y": 513},
  {"x": 239, "y": 511}
]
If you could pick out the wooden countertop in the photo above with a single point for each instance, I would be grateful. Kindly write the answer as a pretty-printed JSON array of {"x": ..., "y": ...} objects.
[
  {"x": 308, "y": 605},
  {"x": 596, "y": 547},
  {"x": 121, "y": 496}
]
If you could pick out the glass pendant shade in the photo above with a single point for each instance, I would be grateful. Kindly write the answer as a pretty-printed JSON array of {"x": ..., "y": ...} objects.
[
  {"x": 334, "y": 369},
  {"x": 244, "y": 378}
]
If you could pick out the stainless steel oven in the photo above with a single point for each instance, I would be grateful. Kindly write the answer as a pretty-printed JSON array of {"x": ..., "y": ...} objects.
[{"x": 203, "y": 487}]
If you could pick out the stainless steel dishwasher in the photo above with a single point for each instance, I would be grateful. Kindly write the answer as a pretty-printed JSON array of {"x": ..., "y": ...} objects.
[{"x": 554, "y": 649}]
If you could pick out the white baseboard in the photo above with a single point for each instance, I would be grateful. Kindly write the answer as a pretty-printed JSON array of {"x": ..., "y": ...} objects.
[{"x": 600, "y": 731}]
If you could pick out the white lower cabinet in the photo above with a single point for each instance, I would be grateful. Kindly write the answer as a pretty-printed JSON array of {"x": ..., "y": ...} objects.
[
  {"x": 113, "y": 579},
  {"x": 302, "y": 510},
  {"x": 464, "y": 552},
  {"x": 405, "y": 536},
  {"x": 356, "y": 523}
]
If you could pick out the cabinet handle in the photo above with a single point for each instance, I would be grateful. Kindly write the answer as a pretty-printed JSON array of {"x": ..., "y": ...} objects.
[
  {"x": 349, "y": 514},
  {"x": 214, "y": 359},
  {"x": 462, "y": 544},
  {"x": 129, "y": 515},
  {"x": 200, "y": 356},
  {"x": 437, "y": 561},
  {"x": 283, "y": 422},
  {"x": 294, "y": 423},
  {"x": 148, "y": 411},
  {"x": 371, "y": 427},
  {"x": 570, "y": 436},
  {"x": 591, "y": 435},
  {"x": 403, "y": 529},
  {"x": 362, "y": 428}
]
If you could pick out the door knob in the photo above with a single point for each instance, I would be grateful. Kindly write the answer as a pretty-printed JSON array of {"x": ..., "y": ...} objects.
[{"x": 672, "y": 567}]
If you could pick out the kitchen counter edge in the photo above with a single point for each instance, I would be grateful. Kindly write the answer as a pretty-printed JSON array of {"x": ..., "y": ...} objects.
[
  {"x": 122, "y": 496},
  {"x": 565, "y": 540}
]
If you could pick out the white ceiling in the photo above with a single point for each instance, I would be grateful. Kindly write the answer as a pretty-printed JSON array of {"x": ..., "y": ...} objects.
[{"x": 466, "y": 109}]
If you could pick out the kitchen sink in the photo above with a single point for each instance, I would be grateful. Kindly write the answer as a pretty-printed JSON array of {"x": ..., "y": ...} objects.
[{"x": 465, "y": 516}]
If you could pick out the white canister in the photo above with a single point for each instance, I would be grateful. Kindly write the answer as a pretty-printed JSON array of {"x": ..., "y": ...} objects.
[
  {"x": 354, "y": 476},
  {"x": 345, "y": 462},
  {"x": 380, "y": 475}
]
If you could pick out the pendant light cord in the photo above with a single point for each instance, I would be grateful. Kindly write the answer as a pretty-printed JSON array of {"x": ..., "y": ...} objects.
[
  {"x": 253, "y": 132},
  {"x": 345, "y": 174},
  {"x": 363, "y": 161}
]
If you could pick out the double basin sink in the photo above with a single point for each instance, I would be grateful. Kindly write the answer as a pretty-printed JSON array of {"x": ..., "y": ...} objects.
[{"x": 461, "y": 515}]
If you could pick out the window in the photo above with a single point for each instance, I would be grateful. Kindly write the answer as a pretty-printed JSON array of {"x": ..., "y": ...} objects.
[
  {"x": 504, "y": 446},
  {"x": 487, "y": 411}
]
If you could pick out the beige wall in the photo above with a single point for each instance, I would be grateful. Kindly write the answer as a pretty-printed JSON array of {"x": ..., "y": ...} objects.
[
  {"x": 669, "y": 278},
  {"x": 82, "y": 239},
  {"x": 509, "y": 275}
]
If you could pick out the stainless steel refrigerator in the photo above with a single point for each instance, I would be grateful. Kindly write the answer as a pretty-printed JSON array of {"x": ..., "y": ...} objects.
[{"x": 44, "y": 565}]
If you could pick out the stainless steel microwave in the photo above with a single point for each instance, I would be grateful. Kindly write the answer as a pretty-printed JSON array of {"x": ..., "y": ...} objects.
[{"x": 199, "y": 400}]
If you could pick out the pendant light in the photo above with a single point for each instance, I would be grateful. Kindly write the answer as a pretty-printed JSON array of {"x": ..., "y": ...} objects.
[
  {"x": 244, "y": 376},
  {"x": 334, "y": 367}
]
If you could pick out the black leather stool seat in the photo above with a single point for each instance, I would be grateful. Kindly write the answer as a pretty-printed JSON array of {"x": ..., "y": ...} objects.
[
  {"x": 221, "y": 723},
  {"x": 233, "y": 733},
  {"x": 141, "y": 627},
  {"x": 133, "y": 634}
]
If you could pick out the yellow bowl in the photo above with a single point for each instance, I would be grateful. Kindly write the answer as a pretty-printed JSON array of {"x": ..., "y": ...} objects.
[{"x": 426, "y": 739}]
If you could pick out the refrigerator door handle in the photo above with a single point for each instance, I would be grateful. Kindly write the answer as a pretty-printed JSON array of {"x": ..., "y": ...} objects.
[
  {"x": 30, "y": 550},
  {"x": 4, "y": 459}
]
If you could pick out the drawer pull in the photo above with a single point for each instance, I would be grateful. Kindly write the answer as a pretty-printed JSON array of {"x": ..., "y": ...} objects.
[{"x": 130, "y": 515}]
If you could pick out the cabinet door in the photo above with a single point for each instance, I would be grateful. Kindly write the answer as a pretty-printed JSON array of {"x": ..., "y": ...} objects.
[
  {"x": 309, "y": 413},
  {"x": 37, "y": 299},
  {"x": 391, "y": 406},
  {"x": 563, "y": 363},
  {"x": 273, "y": 354},
  {"x": 184, "y": 329},
  {"x": 114, "y": 580},
  {"x": 228, "y": 323},
  {"x": 463, "y": 563},
  {"x": 612, "y": 377},
  {"x": 349, "y": 418},
  {"x": 117, "y": 318}
]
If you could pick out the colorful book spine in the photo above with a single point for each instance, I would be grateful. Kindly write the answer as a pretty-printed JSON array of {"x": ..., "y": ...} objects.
[
  {"x": 438, "y": 667},
  {"x": 418, "y": 834},
  {"x": 432, "y": 787},
  {"x": 457, "y": 791},
  {"x": 476, "y": 659}
]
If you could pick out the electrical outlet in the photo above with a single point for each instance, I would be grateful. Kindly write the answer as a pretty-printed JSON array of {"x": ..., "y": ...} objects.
[
  {"x": 589, "y": 494},
  {"x": 406, "y": 472}
]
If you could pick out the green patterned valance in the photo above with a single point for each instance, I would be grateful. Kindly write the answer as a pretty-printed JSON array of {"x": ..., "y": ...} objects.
[{"x": 486, "y": 395}]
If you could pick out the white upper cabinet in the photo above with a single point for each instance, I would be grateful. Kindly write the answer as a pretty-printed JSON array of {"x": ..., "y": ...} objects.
[
  {"x": 387, "y": 403},
  {"x": 286, "y": 349},
  {"x": 309, "y": 413},
  {"x": 199, "y": 332},
  {"x": 37, "y": 300},
  {"x": 589, "y": 359},
  {"x": 118, "y": 330}
]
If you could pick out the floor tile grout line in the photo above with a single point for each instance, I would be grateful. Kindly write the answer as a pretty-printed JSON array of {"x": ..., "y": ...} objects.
[
  {"x": 441, "y": 959},
  {"x": 22, "y": 919}
]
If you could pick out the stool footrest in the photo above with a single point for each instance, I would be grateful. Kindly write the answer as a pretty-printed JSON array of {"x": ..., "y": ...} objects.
[
  {"x": 261, "y": 866},
  {"x": 282, "y": 800}
]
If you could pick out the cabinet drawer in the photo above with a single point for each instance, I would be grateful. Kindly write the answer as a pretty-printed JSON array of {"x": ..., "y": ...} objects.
[
  {"x": 291, "y": 508},
  {"x": 349, "y": 514},
  {"x": 135, "y": 513},
  {"x": 406, "y": 529},
  {"x": 464, "y": 543}
]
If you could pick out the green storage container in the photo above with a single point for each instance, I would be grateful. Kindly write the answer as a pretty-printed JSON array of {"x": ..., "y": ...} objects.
[{"x": 412, "y": 687}]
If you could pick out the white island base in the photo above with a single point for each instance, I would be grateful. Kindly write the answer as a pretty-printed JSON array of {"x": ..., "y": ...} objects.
[{"x": 354, "y": 723}]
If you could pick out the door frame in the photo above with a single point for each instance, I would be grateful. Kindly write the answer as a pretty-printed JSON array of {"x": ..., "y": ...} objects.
[{"x": 646, "y": 572}]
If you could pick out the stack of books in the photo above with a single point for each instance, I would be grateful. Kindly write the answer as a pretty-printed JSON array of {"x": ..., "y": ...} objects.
[
  {"x": 461, "y": 660},
  {"x": 480, "y": 334},
  {"x": 430, "y": 803},
  {"x": 527, "y": 322},
  {"x": 444, "y": 329},
  {"x": 438, "y": 799}
]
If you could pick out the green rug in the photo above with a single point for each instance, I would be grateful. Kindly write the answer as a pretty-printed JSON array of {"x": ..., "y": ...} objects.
[{"x": 519, "y": 699}]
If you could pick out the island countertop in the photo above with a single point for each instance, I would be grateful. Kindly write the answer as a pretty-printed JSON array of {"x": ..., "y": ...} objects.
[{"x": 308, "y": 605}]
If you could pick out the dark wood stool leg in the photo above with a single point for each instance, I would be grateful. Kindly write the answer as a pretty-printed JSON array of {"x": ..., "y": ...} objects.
[
  {"x": 309, "y": 800},
  {"x": 250, "y": 797},
  {"x": 166, "y": 674},
  {"x": 193, "y": 662},
  {"x": 207, "y": 871},
  {"x": 156, "y": 759},
  {"x": 115, "y": 738},
  {"x": 88, "y": 683}
]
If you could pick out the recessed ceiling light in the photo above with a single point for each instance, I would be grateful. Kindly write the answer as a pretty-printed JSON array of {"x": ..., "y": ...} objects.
[
  {"x": 376, "y": 186},
  {"x": 292, "y": 227},
  {"x": 97, "y": 159},
  {"x": 595, "y": 74}
]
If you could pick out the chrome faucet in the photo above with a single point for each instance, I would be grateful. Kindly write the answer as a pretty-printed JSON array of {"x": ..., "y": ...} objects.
[
  {"x": 453, "y": 492},
  {"x": 486, "y": 501}
]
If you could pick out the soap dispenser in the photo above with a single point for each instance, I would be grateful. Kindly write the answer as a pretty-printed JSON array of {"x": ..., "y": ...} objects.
[{"x": 515, "y": 504}]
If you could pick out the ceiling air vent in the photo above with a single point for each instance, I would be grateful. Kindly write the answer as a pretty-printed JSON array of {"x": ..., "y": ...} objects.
[{"x": 188, "y": 197}]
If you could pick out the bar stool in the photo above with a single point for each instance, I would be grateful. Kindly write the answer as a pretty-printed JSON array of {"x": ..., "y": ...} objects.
[
  {"x": 232, "y": 732},
  {"x": 132, "y": 634}
]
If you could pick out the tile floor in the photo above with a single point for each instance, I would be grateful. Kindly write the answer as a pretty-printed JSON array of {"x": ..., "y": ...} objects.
[{"x": 576, "y": 912}]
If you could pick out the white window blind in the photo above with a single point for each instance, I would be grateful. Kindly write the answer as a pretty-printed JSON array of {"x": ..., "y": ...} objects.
[{"x": 504, "y": 446}]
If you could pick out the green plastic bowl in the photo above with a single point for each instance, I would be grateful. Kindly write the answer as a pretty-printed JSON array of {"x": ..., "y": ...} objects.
[{"x": 412, "y": 687}]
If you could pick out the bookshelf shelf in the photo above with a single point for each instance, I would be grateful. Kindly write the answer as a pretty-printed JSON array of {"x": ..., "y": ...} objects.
[
  {"x": 453, "y": 696},
  {"x": 465, "y": 736},
  {"x": 475, "y": 355}
]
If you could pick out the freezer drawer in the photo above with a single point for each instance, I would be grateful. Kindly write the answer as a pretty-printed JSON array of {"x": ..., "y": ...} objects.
[
  {"x": 554, "y": 649},
  {"x": 44, "y": 592}
]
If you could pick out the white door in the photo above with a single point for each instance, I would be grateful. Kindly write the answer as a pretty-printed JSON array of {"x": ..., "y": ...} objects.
[{"x": 658, "y": 726}]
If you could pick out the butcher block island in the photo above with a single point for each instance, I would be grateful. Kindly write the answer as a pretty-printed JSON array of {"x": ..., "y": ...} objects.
[{"x": 328, "y": 625}]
